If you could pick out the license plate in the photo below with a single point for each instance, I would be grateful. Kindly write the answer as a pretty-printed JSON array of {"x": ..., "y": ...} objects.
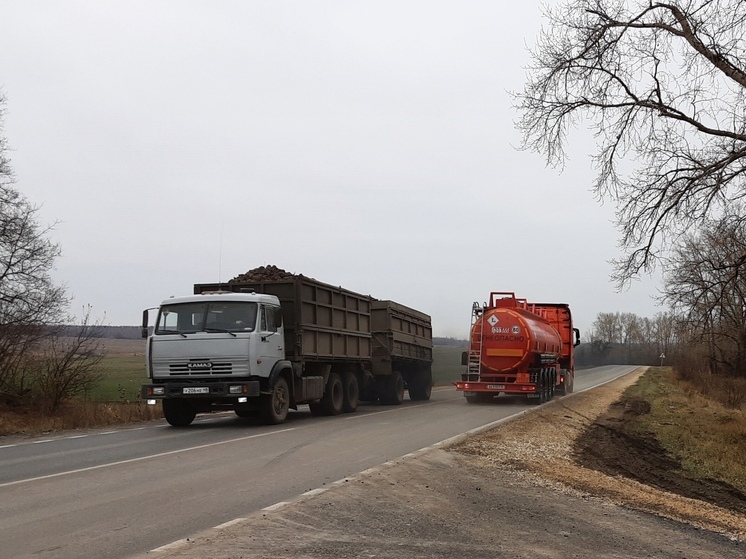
[
  {"x": 496, "y": 387},
  {"x": 196, "y": 390}
]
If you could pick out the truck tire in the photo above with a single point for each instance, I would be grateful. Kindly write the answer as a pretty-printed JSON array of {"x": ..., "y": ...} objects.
[
  {"x": 351, "y": 392},
  {"x": 567, "y": 384},
  {"x": 178, "y": 413},
  {"x": 274, "y": 407},
  {"x": 333, "y": 400},
  {"x": 393, "y": 390},
  {"x": 571, "y": 384},
  {"x": 541, "y": 390},
  {"x": 420, "y": 386}
]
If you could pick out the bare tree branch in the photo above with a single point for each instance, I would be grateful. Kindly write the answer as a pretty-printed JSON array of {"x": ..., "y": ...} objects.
[{"x": 663, "y": 87}]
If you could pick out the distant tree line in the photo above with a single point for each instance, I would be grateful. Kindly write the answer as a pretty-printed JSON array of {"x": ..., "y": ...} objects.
[
  {"x": 111, "y": 332},
  {"x": 628, "y": 339}
]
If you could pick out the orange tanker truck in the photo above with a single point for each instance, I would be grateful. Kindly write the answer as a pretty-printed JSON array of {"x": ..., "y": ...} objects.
[{"x": 517, "y": 347}]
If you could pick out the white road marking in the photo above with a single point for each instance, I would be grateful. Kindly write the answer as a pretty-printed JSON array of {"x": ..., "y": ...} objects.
[{"x": 141, "y": 458}]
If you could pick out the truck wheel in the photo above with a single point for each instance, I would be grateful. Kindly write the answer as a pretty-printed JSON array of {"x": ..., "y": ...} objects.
[
  {"x": 545, "y": 388},
  {"x": 178, "y": 413},
  {"x": 421, "y": 385},
  {"x": 274, "y": 407},
  {"x": 567, "y": 384},
  {"x": 333, "y": 400},
  {"x": 351, "y": 392},
  {"x": 541, "y": 390},
  {"x": 562, "y": 388},
  {"x": 394, "y": 389}
]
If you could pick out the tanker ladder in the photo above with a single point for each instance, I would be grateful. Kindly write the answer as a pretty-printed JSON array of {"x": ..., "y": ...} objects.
[{"x": 475, "y": 343}]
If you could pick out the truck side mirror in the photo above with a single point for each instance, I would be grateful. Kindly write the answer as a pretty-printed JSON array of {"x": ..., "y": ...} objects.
[
  {"x": 465, "y": 358},
  {"x": 145, "y": 323},
  {"x": 577, "y": 337}
]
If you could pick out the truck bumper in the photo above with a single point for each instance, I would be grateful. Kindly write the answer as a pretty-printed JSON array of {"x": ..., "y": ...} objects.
[
  {"x": 207, "y": 390},
  {"x": 474, "y": 387}
]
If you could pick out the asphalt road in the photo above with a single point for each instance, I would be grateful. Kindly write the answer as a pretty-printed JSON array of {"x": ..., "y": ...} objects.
[{"x": 119, "y": 493}]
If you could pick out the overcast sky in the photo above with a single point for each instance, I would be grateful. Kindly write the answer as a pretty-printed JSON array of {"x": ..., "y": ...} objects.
[{"x": 366, "y": 144}]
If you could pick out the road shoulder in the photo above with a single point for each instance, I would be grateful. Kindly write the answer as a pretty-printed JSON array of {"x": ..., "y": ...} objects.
[{"x": 513, "y": 491}]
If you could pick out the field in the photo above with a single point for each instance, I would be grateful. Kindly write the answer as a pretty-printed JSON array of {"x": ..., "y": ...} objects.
[{"x": 122, "y": 371}]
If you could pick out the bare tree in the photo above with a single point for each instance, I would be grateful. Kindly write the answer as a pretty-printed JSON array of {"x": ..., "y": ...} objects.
[
  {"x": 37, "y": 362},
  {"x": 66, "y": 365},
  {"x": 607, "y": 327},
  {"x": 662, "y": 86}
]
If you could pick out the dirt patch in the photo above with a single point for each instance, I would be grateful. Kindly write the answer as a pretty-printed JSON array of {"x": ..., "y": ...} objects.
[{"x": 607, "y": 447}]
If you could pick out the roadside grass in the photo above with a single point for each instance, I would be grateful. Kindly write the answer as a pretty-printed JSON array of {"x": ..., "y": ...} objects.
[
  {"x": 707, "y": 437},
  {"x": 77, "y": 414}
]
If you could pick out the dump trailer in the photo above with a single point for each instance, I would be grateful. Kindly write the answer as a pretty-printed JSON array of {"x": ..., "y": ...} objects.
[
  {"x": 402, "y": 353},
  {"x": 264, "y": 346},
  {"x": 519, "y": 348}
]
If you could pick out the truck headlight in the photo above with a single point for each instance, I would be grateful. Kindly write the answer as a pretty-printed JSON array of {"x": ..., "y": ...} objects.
[
  {"x": 235, "y": 389},
  {"x": 157, "y": 391}
]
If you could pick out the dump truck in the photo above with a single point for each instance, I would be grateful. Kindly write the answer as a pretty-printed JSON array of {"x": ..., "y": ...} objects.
[
  {"x": 519, "y": 348},
  {"x": 260, "y": 346}
]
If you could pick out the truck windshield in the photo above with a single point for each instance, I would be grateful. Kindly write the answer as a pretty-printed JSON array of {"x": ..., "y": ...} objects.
[{"x": 224, "y": 316}]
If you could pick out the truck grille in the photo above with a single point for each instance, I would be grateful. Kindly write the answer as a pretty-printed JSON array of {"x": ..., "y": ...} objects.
[{"x": 200, "y": 368}]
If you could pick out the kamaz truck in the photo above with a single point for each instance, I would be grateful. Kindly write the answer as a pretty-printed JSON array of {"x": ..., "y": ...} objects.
[{"x": 265, "y": 347}]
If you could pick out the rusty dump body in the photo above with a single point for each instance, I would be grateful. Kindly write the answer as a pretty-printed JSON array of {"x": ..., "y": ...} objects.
[{"x": 517, "y": 347}]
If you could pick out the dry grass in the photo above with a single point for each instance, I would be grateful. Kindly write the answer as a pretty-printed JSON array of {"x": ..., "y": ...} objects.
[
  {"x": 75, "y": 415},
  {"x": 707, "y": 434}
]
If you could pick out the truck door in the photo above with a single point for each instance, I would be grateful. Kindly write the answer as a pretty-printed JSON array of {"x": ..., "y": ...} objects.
[{"x": 271, "y": 340}]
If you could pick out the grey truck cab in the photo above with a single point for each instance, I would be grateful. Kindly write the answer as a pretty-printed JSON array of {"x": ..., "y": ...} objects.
[{"x": 213, "y": 351}]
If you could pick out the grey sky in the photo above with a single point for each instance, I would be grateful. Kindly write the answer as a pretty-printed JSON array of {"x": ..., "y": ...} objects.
[{"x": 365, "y": 144}]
